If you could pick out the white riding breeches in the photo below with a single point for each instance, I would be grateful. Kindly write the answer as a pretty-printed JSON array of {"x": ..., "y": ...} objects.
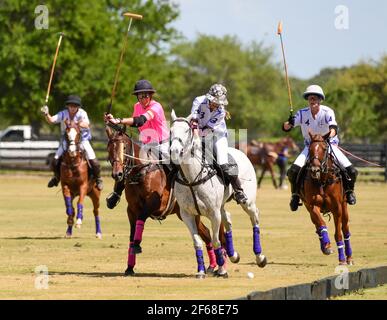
[
  {"x": 221, "y": 148},
  {"x": 85, "y": 145},
  {"x": 341, "y": 158}
]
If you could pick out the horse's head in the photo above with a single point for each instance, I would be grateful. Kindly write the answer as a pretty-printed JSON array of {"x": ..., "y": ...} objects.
[
  {"x": 318, "y": 155},
  {"x": 181, "y": 138},
  {"x": 73, "y": 137},
  {"x": 116, "y": 151}
]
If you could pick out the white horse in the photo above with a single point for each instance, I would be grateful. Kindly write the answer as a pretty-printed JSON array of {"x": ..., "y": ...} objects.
[{"x": 199, "y": 191}]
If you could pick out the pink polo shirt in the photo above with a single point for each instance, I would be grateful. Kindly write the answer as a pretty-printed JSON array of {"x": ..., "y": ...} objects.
[{"x": 155, "y": 129}]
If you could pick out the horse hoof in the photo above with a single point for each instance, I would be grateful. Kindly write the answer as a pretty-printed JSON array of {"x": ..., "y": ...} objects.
[
  {"x": 235, "y": 258},
  {"x": 350, "y": 262},
  {"x": 342, "y": 263},
  {"x": 327, "y": 251},
  {"x": 78, "y": 224},
  {"x": 98, "y": 235},
  {"x": 210, "y": 270},
  {"x": 261, "y": 260},
  {"x": 68, "y": 235},
  {"x": 200, "y": 275},
  {"x": 129, "y": 272},
  {"x": 222, "y": 275}
]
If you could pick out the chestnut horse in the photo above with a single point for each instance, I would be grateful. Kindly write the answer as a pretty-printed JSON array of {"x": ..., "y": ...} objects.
[
  {"x": 75, "y": 180},
  {"x": 322, "y": 191},
  {"x": 266, "y": 155},
  {"x": 148, "y": 192}
]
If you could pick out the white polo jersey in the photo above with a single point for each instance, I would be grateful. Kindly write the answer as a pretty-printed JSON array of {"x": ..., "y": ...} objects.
[
  {"x": 214, "y": 120},
  {"x": 320, "y": 125},
  {"x": 81, "y": 115}
]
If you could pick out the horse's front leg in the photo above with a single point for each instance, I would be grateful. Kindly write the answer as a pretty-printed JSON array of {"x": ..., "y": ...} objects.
[
  {"x": 337, "y": 216},
  {"x": 347, "y": 234},
  {"x": 205, "y": 234},
  {"x": 321, "y": 228},
  {"x": 226, "y": 219},
  {"x": 131, "y": 254},
  {"x": 81, "y": 199},
  {"x": 69, "y": 210},
  {"x": 216, "y": 218},
  {"x": 140, "y": 223},
  {"x": 272, "y": 173},
  {"x": 189, "y": 221},
  {"x": 95, "y": 195}
]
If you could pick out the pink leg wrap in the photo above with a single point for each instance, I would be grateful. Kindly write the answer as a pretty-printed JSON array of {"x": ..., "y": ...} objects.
[
  {"x": 139, "y": 230},
  {"x": 211, "y": 255},
  {"x": 131, "y": 256}
]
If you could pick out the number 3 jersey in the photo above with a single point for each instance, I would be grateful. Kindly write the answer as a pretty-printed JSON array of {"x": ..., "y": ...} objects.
[{"x": 207, "y": 119}]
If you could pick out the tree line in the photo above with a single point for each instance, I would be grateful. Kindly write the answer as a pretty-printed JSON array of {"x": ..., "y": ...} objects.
[{"x": 179, "y": 69}]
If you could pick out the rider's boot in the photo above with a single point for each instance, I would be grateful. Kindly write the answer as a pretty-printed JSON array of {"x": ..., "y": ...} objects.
[
  {"x": 349, "y": 184},
  {"x": 114, "y": 198},
  {"x": 239, "y": 195},
  {"x": 293, "y": 175},
  {"x": 97, "y": 173},
  {"x": 55, "y": 167}
]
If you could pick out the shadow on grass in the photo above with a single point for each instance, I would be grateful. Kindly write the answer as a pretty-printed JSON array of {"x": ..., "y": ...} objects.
[
  {"x": 121, "y": 274},
  {"x": 301, "y": 264}
]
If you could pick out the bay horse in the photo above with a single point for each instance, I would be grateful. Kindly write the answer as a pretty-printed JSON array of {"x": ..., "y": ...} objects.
[
  {"x": 75, "y": 181},
  {"x": 322, "y": 191},
  {"x": 201, "y": 192},
  {"x": 266, "y": 155},
  {"x": 148, "y": 192}
]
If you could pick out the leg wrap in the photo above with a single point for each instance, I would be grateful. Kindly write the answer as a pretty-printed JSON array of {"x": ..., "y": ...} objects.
[
  {"x": 131, "y": 256},
  {"x": 79, "y": 211},
  {"x": 340, "y": 250},
  {"x": 347, "y": 242},
  {"x": 256, "y": 241},
  {"x": 211, "y": 255},
  {"x": 323, "y": 236},
  {"x": 200, "y": 260},
  {"x": 139, "y": 231},
  {"x": 97, "y": 225},
  {"x": 219, "y": 256},
  {"x": 229, "y": 244},
  {"x": 69, "y": 206}
]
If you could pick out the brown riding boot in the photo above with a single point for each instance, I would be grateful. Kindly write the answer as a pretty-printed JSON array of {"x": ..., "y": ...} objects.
[
  {"x": 55, "y": 167},
  {"x": 97, "y": 173}
]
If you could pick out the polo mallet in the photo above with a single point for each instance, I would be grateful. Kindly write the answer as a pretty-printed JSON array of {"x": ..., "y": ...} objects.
[
  {"x": 279, "y": 32},
  {"x": 61, "y": 35},
  {"x": 131, "y": 16}
]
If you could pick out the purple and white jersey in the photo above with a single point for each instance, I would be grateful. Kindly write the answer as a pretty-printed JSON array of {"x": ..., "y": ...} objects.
[
  {"x": 324, "y": 118},
  {"x": 81, "y": 115},
  {"x": 214, "y": 120}
]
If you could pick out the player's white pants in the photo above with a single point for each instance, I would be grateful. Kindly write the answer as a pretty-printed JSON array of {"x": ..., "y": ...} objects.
[{"x": 85, "y": 145}]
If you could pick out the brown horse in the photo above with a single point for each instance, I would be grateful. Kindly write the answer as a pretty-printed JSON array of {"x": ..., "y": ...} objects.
[
  {"x": 322, "y": 191},
  {"x": 266, "y": 154},
  {"x": 75, "y": 180},
  {"x": 148, "y": 191}
]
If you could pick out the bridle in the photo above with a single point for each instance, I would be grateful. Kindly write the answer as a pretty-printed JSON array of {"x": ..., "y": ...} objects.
[{"x": 188, "y": 144}]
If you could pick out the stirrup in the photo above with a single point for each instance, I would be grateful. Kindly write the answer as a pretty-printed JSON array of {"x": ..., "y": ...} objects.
[
  {"x": 53, "y": 182},
  {"x": 112, "y": 200}
]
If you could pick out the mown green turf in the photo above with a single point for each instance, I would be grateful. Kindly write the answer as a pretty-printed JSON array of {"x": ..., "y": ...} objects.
[{"x": 33, "y": 223}]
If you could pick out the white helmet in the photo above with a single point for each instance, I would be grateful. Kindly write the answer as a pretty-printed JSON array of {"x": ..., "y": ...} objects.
[
  {"x": 218, "y": 94},
  {"x": 314, "y": 89}
]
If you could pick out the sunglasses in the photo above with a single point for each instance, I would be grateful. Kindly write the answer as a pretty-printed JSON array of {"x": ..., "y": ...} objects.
[{"x": 143, "y": 95}]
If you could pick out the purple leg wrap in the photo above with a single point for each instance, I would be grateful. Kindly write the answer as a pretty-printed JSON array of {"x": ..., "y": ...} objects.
[
  {"x": 200, "y": 260},
  {"x": 348, "y": 249},
  {"x": 80, "y": 211},
  {"x": 256, "y": 241},
  {"x": 229, "y": 244},
  {"x": 340, "y": 250},
  {"x": 69, "y": 230},
  {"x": 219, "y": 256},
  {"x": 97, "y": 225},
  {"x": 69, "y": 206},
  {"x": 323, "y": 236}
]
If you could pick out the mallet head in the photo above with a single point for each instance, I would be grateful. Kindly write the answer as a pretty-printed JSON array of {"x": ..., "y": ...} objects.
[{"x": 133, "y": 15}]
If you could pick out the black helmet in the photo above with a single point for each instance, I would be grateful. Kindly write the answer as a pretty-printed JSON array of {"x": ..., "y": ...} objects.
[
  {"x": 72, "y": 99},
  {"x": 143, "y": 86}
]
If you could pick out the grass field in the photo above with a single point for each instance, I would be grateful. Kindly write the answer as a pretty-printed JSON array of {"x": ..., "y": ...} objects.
[{"x": 33, "y": 223}]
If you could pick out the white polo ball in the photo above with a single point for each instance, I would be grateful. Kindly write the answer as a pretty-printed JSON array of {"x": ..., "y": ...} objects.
[{"x": 250, "y": 275}]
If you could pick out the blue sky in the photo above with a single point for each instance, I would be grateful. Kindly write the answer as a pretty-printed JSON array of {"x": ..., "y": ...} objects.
[{"x": 311, "y": 40}]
